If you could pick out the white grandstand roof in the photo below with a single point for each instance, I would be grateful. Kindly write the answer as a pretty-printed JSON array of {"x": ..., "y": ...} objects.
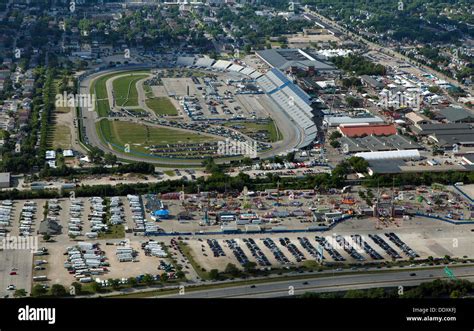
[
  {"x": 248, "y": 71},
  {"x": 267, "y": 84},
  {"x": 222, "y": 64},
  {"x": 256, "y": 74},
  {"x": 390, "y": 155},
  {"x": 277, "y": 79},
  {"x": 293, "y": 101},
  {"x": 204, "y": 62},
  {"x": 235, "y": 67}
]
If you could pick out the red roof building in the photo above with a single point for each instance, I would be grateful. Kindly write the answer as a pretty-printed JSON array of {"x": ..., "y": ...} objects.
[{"x": 353, "y": 131}]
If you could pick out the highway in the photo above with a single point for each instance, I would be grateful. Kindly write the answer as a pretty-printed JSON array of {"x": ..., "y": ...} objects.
[{"x": 328, "y": 284}]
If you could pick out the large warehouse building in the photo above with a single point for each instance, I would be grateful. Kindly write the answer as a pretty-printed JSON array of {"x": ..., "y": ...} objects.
[
  {"x": 360, "y": 130},
  {"x": 411, "y": 154}
]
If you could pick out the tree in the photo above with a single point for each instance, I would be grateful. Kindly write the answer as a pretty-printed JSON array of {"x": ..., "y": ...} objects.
[
  {"x": 335, "y": 144},
  {"x": 95, "y": 155},
  {"x": 164, "y": 277},
  {"x": 211, "y": 166},
  {"x": 46, "y": 237},
  {"x": 353, "y": 294},
  {"x": 96, "y": 287},
  {"x": 58, "y": 290},
  {"x": 132, "y": 281},
  {"x": 455, "y": 294},
  {"x": 250, "y": 266},
  {"x": 148, "y": 279},
  {"x": 180, "y": 274},
  {"x": 115, "y": 283},
  {"x": 19, "y": 293},
  {"x": 232, "y": 270},
  {"x": 335, "y": 135},
  {"x": 358, "y": 164},
  {"x": 214, "y": 274},
  {"x": 38, "y": 290},
  {"x": 77, "y": 287},
  {"x": 110, "y": 159}
]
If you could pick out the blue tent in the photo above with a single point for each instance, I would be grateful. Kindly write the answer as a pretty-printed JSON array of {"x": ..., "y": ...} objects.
[{"x": 162, "y": 213}]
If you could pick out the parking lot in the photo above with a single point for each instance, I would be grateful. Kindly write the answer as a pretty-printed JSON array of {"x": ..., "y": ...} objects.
[
  {"x": 15, "y": 269},
  {"x": 212, "y": 95},
  {"x": 345, "y": 247},
  {"x": 363, "y": 239}
]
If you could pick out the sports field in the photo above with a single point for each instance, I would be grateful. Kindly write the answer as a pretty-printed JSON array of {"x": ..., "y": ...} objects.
[{"x": 162, "y": 106}]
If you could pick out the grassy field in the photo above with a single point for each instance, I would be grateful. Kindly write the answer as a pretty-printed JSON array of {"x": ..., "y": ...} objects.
[
  {"x": 148, "y": 91},
  {"x": 61, "y": 137},
  {"x": 98, "y": 87},
  {"x": 125, "y": 90},
  {"x": 162, "y": 106},
  {"x": 116, "y": 231},
  {"x": 139, "y": 136},
  {"x": 250, "y": 128}
]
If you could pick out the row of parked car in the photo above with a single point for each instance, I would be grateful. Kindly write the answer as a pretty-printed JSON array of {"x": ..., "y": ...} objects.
[
  {"x": 386, "y": 247},
  {"x": 404, "y": 247},
  {"x": 215, "y": 247},
  {"x": 257, "y": 253},
  {"x": 293, "y": 249},
  {"x": 330, "y": 249},
  {"x": 306, "y": 244},
  {"x": 349, "y": 248},
  {"x": 367, "y": 248},
  {"x": 277, "y": 253},
  {"x": 238, "y": 252}
]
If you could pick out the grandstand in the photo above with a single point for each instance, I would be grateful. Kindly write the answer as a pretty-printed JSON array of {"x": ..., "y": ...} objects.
[
  {"x": 247, "y": 71},
  {"x": 256, "y": 75},
  {"x": 204, "y": 62},
  {"x": 222, "y": 65},
  {"x": 293, "y": 101},
  {"x": 236, "y": 68}
]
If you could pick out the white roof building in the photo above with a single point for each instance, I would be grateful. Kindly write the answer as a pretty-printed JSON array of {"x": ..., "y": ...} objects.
[
  {"x": 50, "y": 155},
  {"x": 390, "y": 155}
]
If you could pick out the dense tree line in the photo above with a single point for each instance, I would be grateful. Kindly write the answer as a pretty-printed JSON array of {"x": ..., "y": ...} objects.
[
  {"x": 359, "y": 65},
  {"x": 64, "y": 171},
  {"x": 432, "y": 290}
]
